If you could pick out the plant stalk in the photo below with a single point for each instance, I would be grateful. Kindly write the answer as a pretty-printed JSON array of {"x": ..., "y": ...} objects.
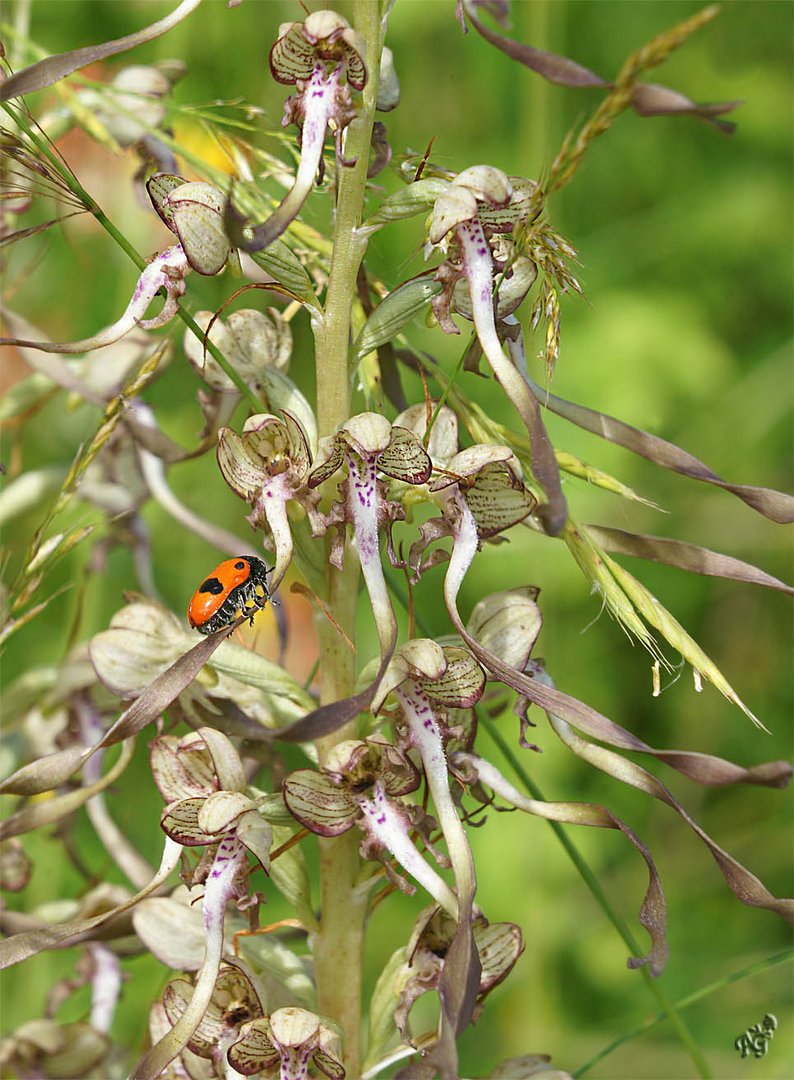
[{"x": 339, "y": 944}]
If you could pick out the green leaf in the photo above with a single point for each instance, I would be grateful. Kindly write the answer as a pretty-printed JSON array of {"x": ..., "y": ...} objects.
[
  {"x": 382, "y": 1028},
  {"x": 286, "y": 268},
  {"x": 393, "y": 313},
  {"x": 290, "y": 875},
  {"x": 416, "y": 198}
]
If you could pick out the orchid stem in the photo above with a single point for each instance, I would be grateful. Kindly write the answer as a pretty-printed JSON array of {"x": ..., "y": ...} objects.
[{"x": 339, "y": 944}]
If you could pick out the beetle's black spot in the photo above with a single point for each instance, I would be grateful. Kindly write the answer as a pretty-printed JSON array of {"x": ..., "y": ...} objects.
[
  {"x": 212, "y": 585},
  {"x": 239, "y": 565}
]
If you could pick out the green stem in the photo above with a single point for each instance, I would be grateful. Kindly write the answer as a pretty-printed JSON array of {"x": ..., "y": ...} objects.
[
  {"x": 333, "y": 339},
  {"x": 668, "y": 1008},
  {"x": 685, "y": 1002},
  {"x": 339, "y": 944}
]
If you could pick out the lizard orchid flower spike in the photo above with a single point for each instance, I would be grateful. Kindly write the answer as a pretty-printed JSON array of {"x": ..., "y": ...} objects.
[
  {"x": 166, "y": 271},
  {"x": 457, "y": 210},
  {"x": 291, "y": 1040},
  {"x": 268, "y": 465},
  {"x": 368, "y": 444},
  {"x": 361, "y": 783},
  {"x": 315, "y": 56}
]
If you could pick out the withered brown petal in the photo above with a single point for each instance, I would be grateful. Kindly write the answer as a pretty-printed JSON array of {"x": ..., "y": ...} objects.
[
  {"x": 53, "y": 68},
  {"x": 775, "y": 505},
  {"x": 690, "y": 557},
  {"x": 165, "y": 688}
]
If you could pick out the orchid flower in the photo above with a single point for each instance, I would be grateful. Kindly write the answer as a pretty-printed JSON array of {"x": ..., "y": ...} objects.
[
  {"x": 314, "y": 56},
  {"x": 499, "y": 946},
  {"x": 426, "y": 681},
  {"x": 268, "y": 466},
  {"x": 368, "y": 444},
  {"x": 235, "y": 1001},
  {"x": 457, "y": 210},
  {"x": 291, "y": 1039},
  {"x": 361, "y": 783},
  {"x": 166, "y": 271},
  {"x": 481, "y": 493},
  {"x": 224, "y": 816},
  {"x": 253, "y": 342}
]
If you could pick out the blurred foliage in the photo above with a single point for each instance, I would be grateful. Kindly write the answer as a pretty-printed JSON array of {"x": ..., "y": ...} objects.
[{"x": 684, "y": 241}]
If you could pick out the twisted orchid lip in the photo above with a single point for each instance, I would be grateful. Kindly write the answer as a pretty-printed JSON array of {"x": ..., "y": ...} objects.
[
  {"x": 166, "y": 271},
  {"x": 218, "y": 890},
  {"x": 383, "y": 820},
  {"x": 319, "y": 100}
]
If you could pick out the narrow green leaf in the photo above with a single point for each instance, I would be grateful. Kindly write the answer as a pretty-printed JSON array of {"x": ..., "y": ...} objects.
[
  {"x": 393, "y": 313},
  {"x": 286, "y": 268},
  {"x": 290, "y": 875},
  {"x": 416, "y": 198}
]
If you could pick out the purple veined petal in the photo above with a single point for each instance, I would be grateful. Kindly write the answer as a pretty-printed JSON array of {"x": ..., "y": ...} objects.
[
  {"x": 254, "y": 1051},
  {"x": 498, "y": 499},
  {"x": 462, "y": 683},
  {"x": 478, "y": 265},
  {"x": 241, "y": 467},
  {"x": 180, "y": 822},
  {"x": 292, "y": 57},
  {"x": 166, "y": 271},
  {"x": 182, "y": 767},
  {"x": 218, "y": 890},
  {"x": 219, "y": 812},
  {"x": 362, "y": 504},
  {"x": 322, "y": 806},
  {"x": 319, "y": 100},
  {"x": 405, "y": 458},
  {"x": 330, "y": 455},
  {"x": 383, "y": 820}
]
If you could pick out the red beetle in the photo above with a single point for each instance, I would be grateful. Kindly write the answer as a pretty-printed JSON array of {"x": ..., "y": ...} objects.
[{"x": 235, "y": 587}]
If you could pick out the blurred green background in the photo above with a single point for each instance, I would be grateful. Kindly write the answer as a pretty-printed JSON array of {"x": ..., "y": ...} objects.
[{"x": 684, "y": 240}]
